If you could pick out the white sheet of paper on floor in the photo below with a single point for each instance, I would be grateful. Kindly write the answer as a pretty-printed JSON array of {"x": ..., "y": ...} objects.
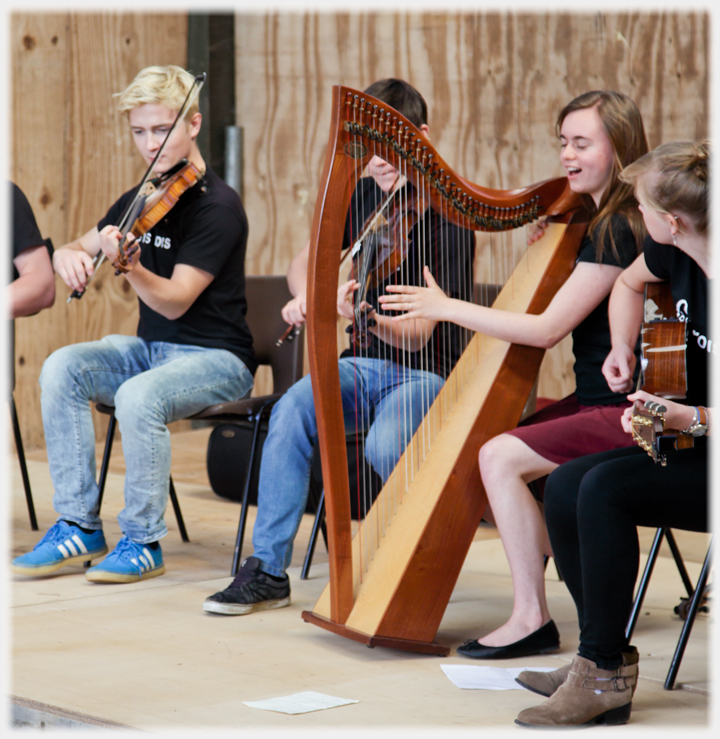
[
  {"x": 300, "y": 703},
  {"x": 474, "y": 677}
]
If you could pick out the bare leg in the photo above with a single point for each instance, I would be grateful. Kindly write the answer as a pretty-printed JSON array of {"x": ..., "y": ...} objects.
[{"x": 507, "y": 465}]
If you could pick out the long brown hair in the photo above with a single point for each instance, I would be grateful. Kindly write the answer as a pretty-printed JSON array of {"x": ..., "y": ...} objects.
[{"x": 623, "y": 124}]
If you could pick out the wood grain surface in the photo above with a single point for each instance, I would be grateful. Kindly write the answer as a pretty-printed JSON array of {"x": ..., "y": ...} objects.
[{"x": 494, "y": 83}]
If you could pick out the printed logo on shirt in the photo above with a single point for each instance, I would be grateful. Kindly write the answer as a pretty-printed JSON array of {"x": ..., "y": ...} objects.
[
  {"x": 682, "y": 310},
  {"x": 702, "y": 341},
  {"x": 161, "y": 242}
]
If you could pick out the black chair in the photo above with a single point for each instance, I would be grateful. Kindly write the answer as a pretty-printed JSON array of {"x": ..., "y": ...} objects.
[
  {"x": 265, "y": 296},
  {"x": 688, "y": 607},
  {"x": 18, "y": 437}
]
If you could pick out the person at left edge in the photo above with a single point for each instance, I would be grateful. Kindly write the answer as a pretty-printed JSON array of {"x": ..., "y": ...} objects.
[
  {"x": 193, "y": 347},
  {"x": 33, "y": 283}
]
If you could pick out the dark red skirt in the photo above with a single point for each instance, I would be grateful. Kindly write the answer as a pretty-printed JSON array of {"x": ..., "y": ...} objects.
[{"x": 566, "y": 430}]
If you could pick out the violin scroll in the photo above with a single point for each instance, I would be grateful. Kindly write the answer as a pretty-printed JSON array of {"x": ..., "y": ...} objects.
[{"x": 359, "y": 328}]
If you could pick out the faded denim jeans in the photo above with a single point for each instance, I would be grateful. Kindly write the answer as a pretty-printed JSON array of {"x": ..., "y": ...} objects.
[
  {"x": 373, "y": 398},
  {"x": 150, "y": 384}
]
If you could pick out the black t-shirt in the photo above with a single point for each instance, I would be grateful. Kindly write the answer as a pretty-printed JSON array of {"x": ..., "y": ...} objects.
[
  {"x": 449, "y": 252},
  {"x": 207, "y": 229},
  {"x": 26, "y": 233},
  {"x": 591, "y": 338},
  {"x": 690, "y": 289}
]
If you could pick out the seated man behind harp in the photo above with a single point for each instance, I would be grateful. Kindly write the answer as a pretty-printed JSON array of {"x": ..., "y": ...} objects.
[{"x": 393, "y": 367}]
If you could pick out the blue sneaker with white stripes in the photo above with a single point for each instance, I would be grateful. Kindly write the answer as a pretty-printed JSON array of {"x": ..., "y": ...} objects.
[
  {"x": 63, "y": 544},
  {"x": 128, "y": 562}
]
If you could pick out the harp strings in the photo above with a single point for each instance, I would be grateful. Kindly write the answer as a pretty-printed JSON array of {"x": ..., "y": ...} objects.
[{"x": 495, "y": 258}]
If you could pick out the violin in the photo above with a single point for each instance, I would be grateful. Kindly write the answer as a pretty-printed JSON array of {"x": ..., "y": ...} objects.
[
  {"x": 380, "y": 251},
  {"x": 663, "y": 373},
  {"x": 160, "y": 195}
]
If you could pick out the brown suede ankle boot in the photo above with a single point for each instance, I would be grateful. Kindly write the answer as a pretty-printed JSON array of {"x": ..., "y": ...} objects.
[
  {"x": 546, "y": 683},
  {"x": 588, "y": 696}
]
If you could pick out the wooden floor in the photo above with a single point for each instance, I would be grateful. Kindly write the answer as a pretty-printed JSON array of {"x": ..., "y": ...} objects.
[{"x": 145, "y": 656}]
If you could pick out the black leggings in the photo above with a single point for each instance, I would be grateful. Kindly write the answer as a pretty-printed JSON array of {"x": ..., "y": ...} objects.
[{"x": 593, "y": 506}]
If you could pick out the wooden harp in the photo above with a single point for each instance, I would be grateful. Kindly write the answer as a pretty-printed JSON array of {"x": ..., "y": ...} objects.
[{"x": 398, "y": 599}]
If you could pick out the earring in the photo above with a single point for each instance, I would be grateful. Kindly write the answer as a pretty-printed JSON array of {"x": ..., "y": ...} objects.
[{"x": 674, "y": 239}]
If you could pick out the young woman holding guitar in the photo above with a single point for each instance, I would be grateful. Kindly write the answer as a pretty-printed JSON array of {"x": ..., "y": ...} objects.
[{"x": 594, "y": 504}]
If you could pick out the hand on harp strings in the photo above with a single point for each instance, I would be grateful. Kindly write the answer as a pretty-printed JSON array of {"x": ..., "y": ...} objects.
[{"x": 410, "y": 301}]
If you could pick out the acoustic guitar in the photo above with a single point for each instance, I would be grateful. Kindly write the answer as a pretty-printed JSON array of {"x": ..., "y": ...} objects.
[{"x": 662, "y": 373}]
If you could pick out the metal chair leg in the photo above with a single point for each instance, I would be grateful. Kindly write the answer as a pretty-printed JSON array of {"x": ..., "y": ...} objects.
[
  {"x": 689, "y": 621},
  {"x": 644, "y": 582},
  {"x": 105, "y": 465},
  {"x": 318, "y": 524},
  {"x": 23, "y": 465},
  {"x": 254, "y": 456},
  {"x": 178, "y": 512},
  {"x": 670, "y": 538}
]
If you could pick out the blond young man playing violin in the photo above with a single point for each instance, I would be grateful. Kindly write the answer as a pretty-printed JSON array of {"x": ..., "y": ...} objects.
[{"x": 192, "y": 349}]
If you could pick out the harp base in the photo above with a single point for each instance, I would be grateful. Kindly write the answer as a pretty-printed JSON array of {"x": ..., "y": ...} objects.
[{"x": 407, "y": 645}]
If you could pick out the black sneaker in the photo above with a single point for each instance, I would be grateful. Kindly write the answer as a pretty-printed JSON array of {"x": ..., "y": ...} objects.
[{"x": 251, "y": 590}]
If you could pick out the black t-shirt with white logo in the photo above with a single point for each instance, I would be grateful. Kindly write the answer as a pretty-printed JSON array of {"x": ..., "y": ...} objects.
[
  {"x": 690, "y": 288},
  {"x": 207, "y": 229}
]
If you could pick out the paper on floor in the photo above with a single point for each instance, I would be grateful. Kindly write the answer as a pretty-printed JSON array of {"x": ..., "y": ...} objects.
[
  {"x": 473, "y": 677},
  {"x": 300, "y": 703}
]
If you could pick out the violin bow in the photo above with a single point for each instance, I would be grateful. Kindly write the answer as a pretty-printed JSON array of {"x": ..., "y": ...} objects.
[
  {"x": 361, "y": 320},
  {"x": 137, "y": 204},
  {"x": 399, "y": 182}
]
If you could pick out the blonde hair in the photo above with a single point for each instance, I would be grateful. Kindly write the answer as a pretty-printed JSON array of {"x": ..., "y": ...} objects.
[
  {"x": 674, "y": 179},
  {"x": 168, "y": 86},
  {"x": 623, "y": 124}
]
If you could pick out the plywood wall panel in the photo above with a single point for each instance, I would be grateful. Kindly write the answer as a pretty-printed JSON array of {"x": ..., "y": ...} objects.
[
  {"x": 73, "y": 157},
  {"x": 494, "y": 83}
]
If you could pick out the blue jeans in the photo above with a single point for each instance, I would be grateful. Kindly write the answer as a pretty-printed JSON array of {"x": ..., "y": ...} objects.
[
  {"x": 374, "y": 393},
  {"x": 150, "y": 384}
]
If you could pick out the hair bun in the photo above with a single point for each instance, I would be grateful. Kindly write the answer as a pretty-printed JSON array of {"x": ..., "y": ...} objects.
[{"x": 702, "y": 156}]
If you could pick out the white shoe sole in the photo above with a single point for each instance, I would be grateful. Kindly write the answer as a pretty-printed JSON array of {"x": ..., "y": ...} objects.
[
  {"x": 105, "y": 576},
  {"x": 238, "y": 609},
  {"x": 47, "y": 569}
]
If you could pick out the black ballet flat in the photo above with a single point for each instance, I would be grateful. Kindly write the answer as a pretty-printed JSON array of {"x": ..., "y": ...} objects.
[{"x": 545, "y": 639}]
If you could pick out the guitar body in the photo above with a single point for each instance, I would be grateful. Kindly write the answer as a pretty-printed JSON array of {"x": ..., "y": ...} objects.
[{"x": 664, "y": 374}]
